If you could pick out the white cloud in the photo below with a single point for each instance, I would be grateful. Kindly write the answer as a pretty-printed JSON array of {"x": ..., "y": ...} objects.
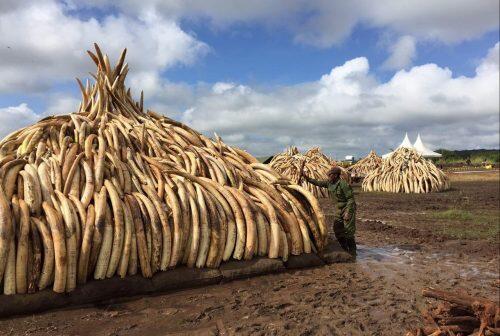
[
  {"x": 42, "y": 45},
  {"x": 14, "y": 117},
  {"x": 347, "y": 111},
  {"x": 402, "y": 53},
  {"x": 61, "y": 104},
  {"x": 490, "y": 63},
  {"x": 221, "y": 87},
  {"x": 449, "y": 21},
  {"x": 42, "y": 42},
  {"x": 327, "y": 22},
  {"x": 445, "y": 20},
  {"x": 237, "y": 137}
]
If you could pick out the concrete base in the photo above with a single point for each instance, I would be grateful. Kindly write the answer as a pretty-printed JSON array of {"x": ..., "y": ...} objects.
[
  {"x": 232, "y": 270},
  {"x": 304, "y": 261},
  {"x": 175, "y": 279}
]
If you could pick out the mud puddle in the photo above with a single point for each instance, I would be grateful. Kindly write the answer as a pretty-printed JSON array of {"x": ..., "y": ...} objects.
[
  {"x": 377, "y": 295},
  {"x": 393, "y": 253},
  {"x": 406, "y": 262}
]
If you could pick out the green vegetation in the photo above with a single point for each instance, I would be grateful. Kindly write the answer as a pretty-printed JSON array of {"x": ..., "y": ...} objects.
[
  {"x": 476, "y": 156},
  {"x": 453, "y": 214},
  {"x": 464, "y": 224}
]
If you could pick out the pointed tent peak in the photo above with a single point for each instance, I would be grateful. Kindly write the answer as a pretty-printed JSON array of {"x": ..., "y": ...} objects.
[
  {"x": 423, "y": 150},
  {"x": 406, "y": 142},
  {"x": 385, "y": 156},
  {"x": 418, "y": 143}
]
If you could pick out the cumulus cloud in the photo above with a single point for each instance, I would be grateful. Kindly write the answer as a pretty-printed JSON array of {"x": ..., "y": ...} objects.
[
  {"x": 446, "y": 20},
  {"x": 41, "y": 44},
  {"x": 221, "y": 87},
  {"x": 348, "y": 111},
  {"x": 14, "y": 117},
  {"x": 41, "y": 41},
  {"x": 345, "y": 111},
  {"x": 402, "y": 54},
  {"x": 61, "y": 104},
  {"x": 449, "y": 21},
  {"x": 324, "y": 23}
]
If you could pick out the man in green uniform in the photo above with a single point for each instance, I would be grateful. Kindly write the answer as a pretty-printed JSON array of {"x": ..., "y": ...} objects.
[{"x": 344, "y": 224}]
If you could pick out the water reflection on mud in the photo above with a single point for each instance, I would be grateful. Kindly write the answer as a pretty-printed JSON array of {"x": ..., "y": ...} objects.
[
  {"x": 408, "y": 261},
  {"x": 394, "y": 254}
]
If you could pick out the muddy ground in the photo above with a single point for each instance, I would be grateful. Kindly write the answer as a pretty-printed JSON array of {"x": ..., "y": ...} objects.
[{"x": 447, "y": 240}]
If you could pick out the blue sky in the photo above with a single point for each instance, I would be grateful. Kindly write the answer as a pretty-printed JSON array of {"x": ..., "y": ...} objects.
[
  {"x": 347, "y": 76},
  {"x": 256, "y": 55}
]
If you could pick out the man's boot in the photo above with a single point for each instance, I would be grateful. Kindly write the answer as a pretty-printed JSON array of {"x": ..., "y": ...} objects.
[
  {"x": 343, "y": 243},
  {"x": 351, "y": 246}
]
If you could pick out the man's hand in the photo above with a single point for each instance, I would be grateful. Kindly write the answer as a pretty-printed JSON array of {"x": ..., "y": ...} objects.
[{"x": 347, "y": 216}]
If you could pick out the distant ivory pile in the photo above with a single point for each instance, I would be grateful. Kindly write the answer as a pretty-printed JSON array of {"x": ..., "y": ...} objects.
[
  {"x": 113, "y": 190},
  {"x": 406, "y": 171},
  {"x": 316, "y": 166},
  {"x": 366, "y": 165}
]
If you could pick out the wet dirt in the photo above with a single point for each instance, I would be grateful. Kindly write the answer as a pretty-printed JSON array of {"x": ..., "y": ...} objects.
[{"x": 379, "y": 294}]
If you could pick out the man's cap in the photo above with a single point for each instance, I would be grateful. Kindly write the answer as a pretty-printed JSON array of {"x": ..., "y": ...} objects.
[{"x": 334, "y": 171}]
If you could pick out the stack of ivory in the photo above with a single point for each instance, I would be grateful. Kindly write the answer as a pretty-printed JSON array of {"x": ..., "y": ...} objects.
[
  {"x": 366, "y": 165},
  {"x": 319, "y": 159},
  {"x": 406, "y": 171},
  {"x": 114, "y": 190},
  {"x": 316, "y": 157},
  {"x": 316, "y": 166}
]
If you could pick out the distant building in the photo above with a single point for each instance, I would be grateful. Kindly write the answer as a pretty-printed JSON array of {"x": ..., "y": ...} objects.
[{"x": 349, "y": 158}]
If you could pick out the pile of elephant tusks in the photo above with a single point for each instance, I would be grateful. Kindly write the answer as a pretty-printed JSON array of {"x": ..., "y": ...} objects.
[
  {"x": 314, "y": 164},
  {"x": 366, "y": 165},
  {"x": 406, "y": 171},
  {"x": 116, "y": 190}
]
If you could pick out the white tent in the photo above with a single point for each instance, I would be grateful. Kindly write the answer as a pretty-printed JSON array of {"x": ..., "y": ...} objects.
[
  {"x": 418, "y": 146},
  {"x": 405, "y": 144},
  {"x": 424, "y": 151}
]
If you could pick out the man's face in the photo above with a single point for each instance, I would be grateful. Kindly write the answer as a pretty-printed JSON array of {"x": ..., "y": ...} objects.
[{"x": 334, "y": 177}]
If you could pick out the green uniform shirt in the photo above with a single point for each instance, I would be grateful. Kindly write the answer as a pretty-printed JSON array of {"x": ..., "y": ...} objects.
[{"x": 343, "y": 195}]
